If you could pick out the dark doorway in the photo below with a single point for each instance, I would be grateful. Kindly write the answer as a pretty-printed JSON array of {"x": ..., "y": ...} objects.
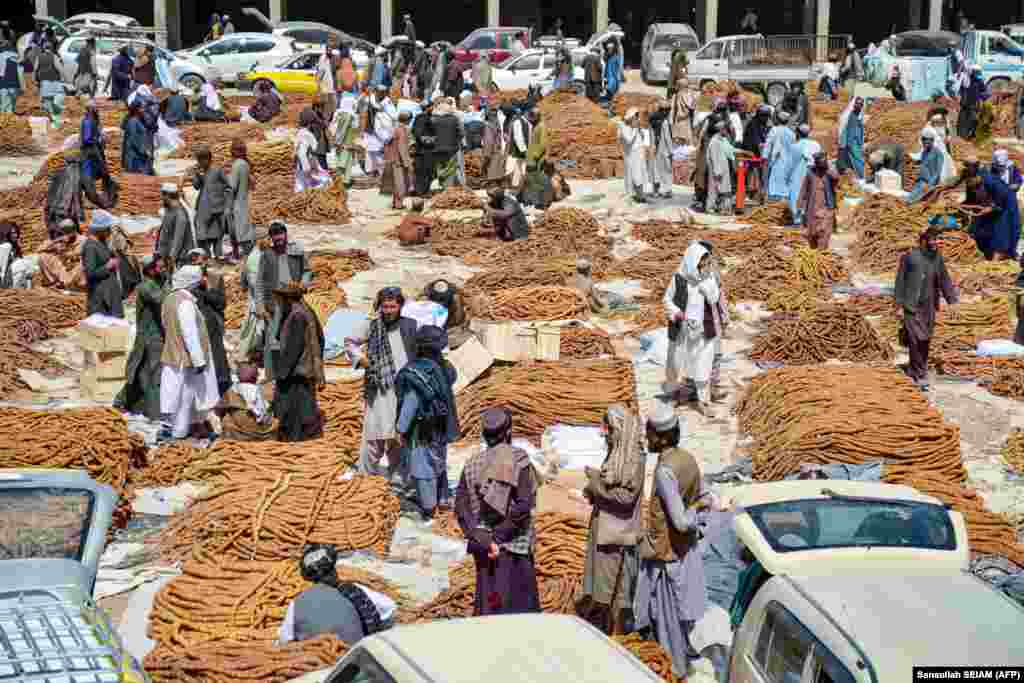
[{"x": 452, "y": 21}]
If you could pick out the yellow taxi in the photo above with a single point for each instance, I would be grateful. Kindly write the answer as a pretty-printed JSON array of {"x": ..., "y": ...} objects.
[{"x": 297, "y": 74}]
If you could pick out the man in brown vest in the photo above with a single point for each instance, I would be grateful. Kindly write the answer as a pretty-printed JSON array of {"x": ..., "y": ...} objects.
[
  {"x": 188, "y": 381},
  {"x": 299, "y": 367},
  {"x": 671, "y": 592}
]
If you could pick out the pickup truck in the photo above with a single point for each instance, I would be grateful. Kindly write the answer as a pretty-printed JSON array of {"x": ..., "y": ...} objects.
[
  {"x": 53, "y": 528},
  {"x": 765, "y": 64},
  {"x": 860, "y": 581},
  {"x": 540, "y": 648},
  {"x": 1000, "y": 57}
]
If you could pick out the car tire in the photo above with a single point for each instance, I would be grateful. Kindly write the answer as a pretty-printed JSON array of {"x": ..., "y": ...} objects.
[
  {"x": 1000, "y": 84},
  {"x": 579, "y": 87},
  {"x": 192, "y": 81}
]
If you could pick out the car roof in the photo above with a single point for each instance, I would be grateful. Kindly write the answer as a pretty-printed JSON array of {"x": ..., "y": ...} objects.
[
  {"x": 541, "y": 648},
  {"x": 249, "y": 34},
  {"x": 934, "y": 619},
  {"x": 803, "y": 489}
]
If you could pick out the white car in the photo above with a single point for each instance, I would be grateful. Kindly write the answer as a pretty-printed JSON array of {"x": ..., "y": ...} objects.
[
  {"x": 93, "y": 22},
  {"x": 191, "y": 74},
  {"x": 240, "y": 52},
  {"x": 531, "y": 67}
]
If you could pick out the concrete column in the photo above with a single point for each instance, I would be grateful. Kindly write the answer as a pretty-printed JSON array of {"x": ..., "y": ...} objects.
[
  {"x": 935, "y": 15},
  {"x": 278, "y": 10},
  {"x": 601, "y": 15},
  {"x": 824, "y": 7},
  {"x": 494, "y": 12},
  {"x": 167, "y": 16},
  {"x": 58, "y": 9},
  {"x": 707, "y": 19},
  {"x": 916, "y": 9},
  {"x": 387, "y": 18}
]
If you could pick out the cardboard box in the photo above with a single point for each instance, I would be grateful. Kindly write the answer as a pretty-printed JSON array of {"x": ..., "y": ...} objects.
[
  {"x": 516, "y": 341},
  {"x": 470, "y": 360},
  {"x": 889, "y": 181},
  {"x": 103, "y": 339},
  {"x": 107, "y": 364},
  {"x": 99, "y": 389}
]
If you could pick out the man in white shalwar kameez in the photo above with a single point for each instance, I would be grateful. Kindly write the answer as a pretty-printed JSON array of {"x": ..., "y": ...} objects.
[
  {"x": 384, "y": 115},
  {"x": 721, "y": 157},
  {"x": 636, "y": 146},
  {"x": 696, "y": 341},
  {"x": 188, "y": 381}
]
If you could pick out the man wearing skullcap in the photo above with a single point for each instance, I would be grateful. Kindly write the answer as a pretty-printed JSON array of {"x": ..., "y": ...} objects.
[
  {"x": 921, "y": 279},
  {"x": 188, "y": 379},
  {"x": 636, "y": 146},
  {"x": 347, "y": 610},
  {"x": 176, "y": 238},
  {"x": 427, "y": 419},
  {"x": 930, "y": 173},
  {"x": 671, "y": 593},
  {"x": 777, "y": 151},
  {"x": 801, "y": 159},
  {"x": 661, "y": 144},
  {"x": 213, "y": 203},
  {"x": 298, "y": 367},
  {"x": 495, "y": 504},
  {"x": 102, "y": 269},
  {"x": 456, "y": 325},
  {"x": 141, "y": 392},
  {"x": 721, "y": 160}
]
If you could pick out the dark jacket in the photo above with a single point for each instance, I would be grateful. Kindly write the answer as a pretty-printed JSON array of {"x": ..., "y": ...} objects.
[
  {"x": 214, "y": 194},
  {"x": 47, "y": 69},
  {"x": 175, "y": 235},
  {"x": 175, "y": 109},
  {"x": 298, "y": 266},
  {"x": 121, "y": 76},
  {"x": 425, "y": 134},
  {"x": 447, "y": 130},
  {"x": 104, "y": 286}
]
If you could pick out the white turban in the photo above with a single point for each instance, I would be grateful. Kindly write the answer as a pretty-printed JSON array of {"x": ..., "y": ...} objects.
[{"x": 187, "y": 277}]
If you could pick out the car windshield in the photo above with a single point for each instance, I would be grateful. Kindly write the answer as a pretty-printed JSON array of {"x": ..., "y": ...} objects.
[
  {"x": 668, "y": 42},
  {"x": 44, "y": 523},
  {"x": 853, "y": 522}
]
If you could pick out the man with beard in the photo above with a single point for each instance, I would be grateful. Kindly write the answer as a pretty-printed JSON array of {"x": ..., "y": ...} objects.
[
  {"x": 390, "y": 342},
  {"x": 212, "y": 302},
  {"x": 921, "y": 279},
  {"x": 427, "y": 418},
  {"x": 283, "y": 263},
  {"x": 141, "y": 393},
  {"x": 176, "y": 239},
  {"x": 214, "y": 200},
  {"x": 425, "y": 136},
  {"x": 347, "y": 610},
  {"x": 495, "y": 506},
  {"x": 299, "y": 368},
  {"x": 101, "y": 266},
  {"x": 661, "y": 139}
]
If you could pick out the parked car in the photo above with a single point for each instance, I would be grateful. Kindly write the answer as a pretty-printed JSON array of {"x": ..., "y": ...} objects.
[
  {"x": 54, "y": 527},
  {"x": 309, "y": 35},
  {"x": 495, "y": 42},
  {"x": 861, "y": 581},
  {"x": 237, "y": 53},
  {"x": 297, "y": 74},
  {"x": 532, "y": 67},
  {"x": 94, "y": 22},
  {"x": 190, "y": 73},
  {"x": 1000, "y": 57},
  {"x": 540, "y": 648},
  {"x": 767, "y": 64},
  {"x": 657, "y": 47},
  {"x": 599, "y": 39},
  {"x": 1014, "y": 31},
  {"x": 552, "y": 42}
]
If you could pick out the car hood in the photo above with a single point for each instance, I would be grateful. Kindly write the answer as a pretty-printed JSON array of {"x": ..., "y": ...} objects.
[{"x": 35, "y": 574}]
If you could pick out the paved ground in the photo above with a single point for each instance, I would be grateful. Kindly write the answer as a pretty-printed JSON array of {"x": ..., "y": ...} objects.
[{"x": 985, "y": 420}]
